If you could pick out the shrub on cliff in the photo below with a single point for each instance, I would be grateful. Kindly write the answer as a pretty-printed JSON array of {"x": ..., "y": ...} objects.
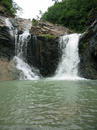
[
  {"x": 10, "y": 6},
  {"x": 73, "y": 14}
]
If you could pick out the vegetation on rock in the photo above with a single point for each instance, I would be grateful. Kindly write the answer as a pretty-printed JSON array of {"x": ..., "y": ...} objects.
[
  {"x": 48, "y": 36},
  {"x": 10, "y": 6},
  {"x": 73, "y": 14}
]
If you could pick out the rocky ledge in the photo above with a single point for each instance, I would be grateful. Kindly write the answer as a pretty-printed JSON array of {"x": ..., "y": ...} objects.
[
  {"x": 41, "y": 27},
  {"x": 88, "y": 52}
]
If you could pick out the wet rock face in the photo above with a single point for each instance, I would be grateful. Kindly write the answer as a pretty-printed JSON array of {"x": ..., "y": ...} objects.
[
  {"x": 88, "y": 52},
  {"x": 7, "y": 47},
  {"x": 43, "y": 53}
]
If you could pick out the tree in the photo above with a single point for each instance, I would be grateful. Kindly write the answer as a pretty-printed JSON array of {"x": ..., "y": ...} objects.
[
  {"x": 10, "y": 5},
  {"x": 73, "y": 14}
]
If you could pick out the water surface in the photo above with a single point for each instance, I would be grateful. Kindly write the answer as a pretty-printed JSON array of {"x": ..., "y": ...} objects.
[{"x": 43, "y": 104}]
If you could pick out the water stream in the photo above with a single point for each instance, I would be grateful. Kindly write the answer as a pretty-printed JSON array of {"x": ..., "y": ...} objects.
[
  {"x": 48, "y": 105},
  {"x": 68, "y": 65},
  {"x": 26, "y": 72}
]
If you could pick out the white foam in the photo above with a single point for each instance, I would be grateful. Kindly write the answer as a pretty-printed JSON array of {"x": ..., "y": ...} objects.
[
  {"x": 68, "y": 65},
  {"x": 21, "y": 41}
]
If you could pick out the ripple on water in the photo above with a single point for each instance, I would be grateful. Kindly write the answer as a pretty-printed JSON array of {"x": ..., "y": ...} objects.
[{"x": 49, "y": 104}]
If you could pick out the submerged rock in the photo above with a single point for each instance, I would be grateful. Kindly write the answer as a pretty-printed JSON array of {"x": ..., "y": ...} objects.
[{"x": 88, "y": 52}]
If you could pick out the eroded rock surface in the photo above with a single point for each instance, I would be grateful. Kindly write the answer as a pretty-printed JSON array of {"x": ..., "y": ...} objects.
[{"x": 40, "y": 27}]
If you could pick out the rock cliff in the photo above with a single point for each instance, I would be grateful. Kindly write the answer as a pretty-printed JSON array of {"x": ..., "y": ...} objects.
[
  {"x": 7, "y": 46},
  {"x": 88, "y": 52},
  {"x": 7, "y": 51}
]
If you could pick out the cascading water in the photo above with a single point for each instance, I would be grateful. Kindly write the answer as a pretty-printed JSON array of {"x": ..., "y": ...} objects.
[
  {"x": 68, "y": 66},
  {"x": 10, "y": 26},
  {"x": 26, "y": 72}
]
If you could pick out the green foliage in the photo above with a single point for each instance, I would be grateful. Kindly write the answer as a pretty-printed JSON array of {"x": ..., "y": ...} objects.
[
  {"x": 34, "y": 22},
  {"x": 6, "y": 3},
  {"x": 47, "y": 36},
  {"x": 11, "y": 6},
  {"x": 73, "y": 14}
]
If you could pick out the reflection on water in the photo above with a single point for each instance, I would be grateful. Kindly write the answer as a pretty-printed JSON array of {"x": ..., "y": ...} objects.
[{"x": 48, "y": 104}]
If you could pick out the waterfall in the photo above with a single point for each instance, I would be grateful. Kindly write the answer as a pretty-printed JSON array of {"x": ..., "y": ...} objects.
[
  {"x": 68, "y": 65},
  {"x": 10, "y": 26},
  {"x": 26, "y": 72}
]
